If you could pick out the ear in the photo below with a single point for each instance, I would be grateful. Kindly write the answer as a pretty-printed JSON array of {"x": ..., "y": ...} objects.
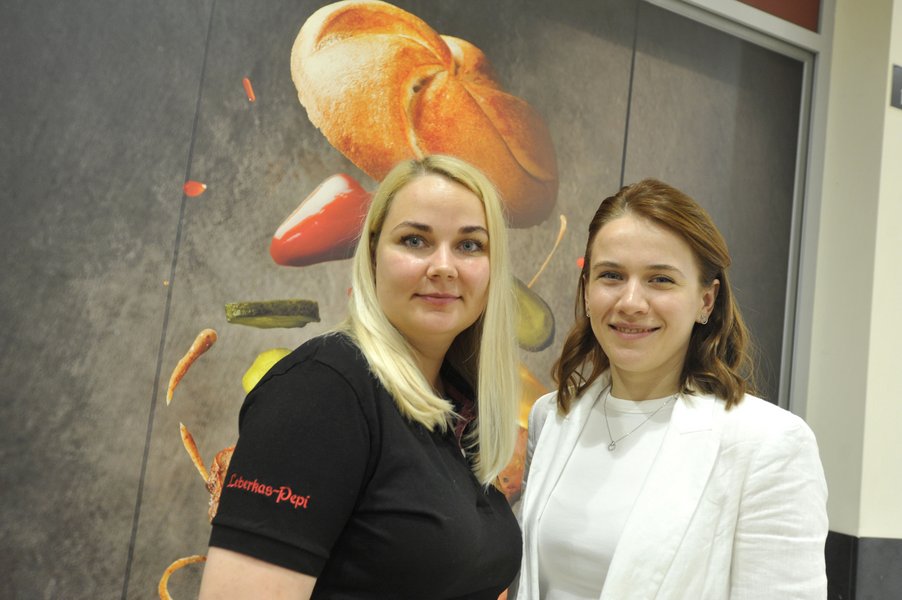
[{"x": 709, "y": 296}]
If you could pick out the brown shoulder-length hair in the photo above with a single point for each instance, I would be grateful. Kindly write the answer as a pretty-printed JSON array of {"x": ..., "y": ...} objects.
[{"x": 719, "y": 360}]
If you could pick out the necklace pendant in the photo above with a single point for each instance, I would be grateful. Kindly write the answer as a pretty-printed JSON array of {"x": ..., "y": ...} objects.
[{"x": 612, "y": 446}]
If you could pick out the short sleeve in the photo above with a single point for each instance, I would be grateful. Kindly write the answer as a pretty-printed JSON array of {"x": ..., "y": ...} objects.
[{"x": 298, "y": 468}]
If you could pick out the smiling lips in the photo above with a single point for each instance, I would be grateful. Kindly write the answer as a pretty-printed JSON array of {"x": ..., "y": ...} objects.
[
  {"x": 632, "y": 331},
  {"x": 437, "y": 298}
]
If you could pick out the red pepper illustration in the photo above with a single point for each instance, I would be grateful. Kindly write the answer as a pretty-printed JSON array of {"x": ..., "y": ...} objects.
[{"x": 325, "y": 226}]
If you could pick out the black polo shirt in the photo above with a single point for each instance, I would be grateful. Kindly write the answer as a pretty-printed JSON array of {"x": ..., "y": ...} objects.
[{"x": 329, "y": 479}]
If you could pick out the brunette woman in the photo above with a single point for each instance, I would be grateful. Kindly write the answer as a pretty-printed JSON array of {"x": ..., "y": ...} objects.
[{"x": 652, "y": 470}]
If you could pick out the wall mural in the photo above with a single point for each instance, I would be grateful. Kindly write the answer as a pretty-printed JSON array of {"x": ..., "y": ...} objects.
[
  {"x": 189, "y": 182},
  {"x": 382, "y": 86}
]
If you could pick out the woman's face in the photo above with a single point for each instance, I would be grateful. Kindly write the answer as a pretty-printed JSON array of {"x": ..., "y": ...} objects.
[
  {"x": 432, "y": 262},
  {"x": 644, "y": 296}
]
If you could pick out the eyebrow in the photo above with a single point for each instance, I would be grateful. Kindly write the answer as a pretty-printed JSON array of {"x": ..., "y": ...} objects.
[
  {"x": 657, "y": 267},
  {"x": 467, "y": 229}
]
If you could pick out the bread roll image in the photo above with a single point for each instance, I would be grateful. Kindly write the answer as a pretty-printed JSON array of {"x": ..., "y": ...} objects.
[{"x": 383, "y": 86}]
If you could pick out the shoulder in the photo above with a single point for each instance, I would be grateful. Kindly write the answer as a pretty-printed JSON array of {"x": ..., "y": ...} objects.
[
  {"x": 763, "y": 423},
  {"x": 757, "y": 415},
  {"x": 543, "y": 405},
  {"x": 328, "y": 371},
  {"x": 336, "y": 349},
  {"x": 776, "y": 453},
  {"x": 332, "y": 354}
]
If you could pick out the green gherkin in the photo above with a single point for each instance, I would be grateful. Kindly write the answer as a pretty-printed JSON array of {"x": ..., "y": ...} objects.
[{"x": 268, "y": 314}]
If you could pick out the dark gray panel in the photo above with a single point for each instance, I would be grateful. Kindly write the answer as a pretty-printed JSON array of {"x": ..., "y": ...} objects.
[
  {"x": 879, "y": 573},
  {"x": 576, "y": 61},
  {"x": 98, "y": 102},
  {"x": 863, "y": 568},
  {"x": 841, "y": 557},
  {"x": 718, "y": 118},
  {"x": 259, "y": 160}
]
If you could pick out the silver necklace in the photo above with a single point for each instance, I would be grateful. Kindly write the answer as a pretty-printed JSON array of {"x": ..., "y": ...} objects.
[{"x": 604, "y": 407}]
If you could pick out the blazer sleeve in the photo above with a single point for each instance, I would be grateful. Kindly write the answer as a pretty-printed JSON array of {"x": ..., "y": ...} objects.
[{"x": 782, "y": 526}]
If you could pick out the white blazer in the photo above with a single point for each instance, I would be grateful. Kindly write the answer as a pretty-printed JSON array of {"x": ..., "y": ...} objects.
[{"x": 734, "y": 506}]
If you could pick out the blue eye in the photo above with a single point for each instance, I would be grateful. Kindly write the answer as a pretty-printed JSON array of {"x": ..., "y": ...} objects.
[
  {"x": 471, "y": 246},
  {"x": 609, "y": 275},
  {"x": 662, "y": 279},
  {"x": 413, "y": 241}
]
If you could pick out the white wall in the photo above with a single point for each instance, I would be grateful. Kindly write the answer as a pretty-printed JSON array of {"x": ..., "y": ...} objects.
[
  {"x": 854, "y": 391},
  {"x": 881, "y": 488}
]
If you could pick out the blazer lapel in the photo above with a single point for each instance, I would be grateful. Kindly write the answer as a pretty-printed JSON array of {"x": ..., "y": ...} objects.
[
  {"x": 667, "y": 502},
  {"x": 553, "y": 450},
  {"x": 556, "y": 444}
]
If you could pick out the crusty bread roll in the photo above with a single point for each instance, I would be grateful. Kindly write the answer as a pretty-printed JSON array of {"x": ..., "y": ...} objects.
[{"x": 383, "y": 87}]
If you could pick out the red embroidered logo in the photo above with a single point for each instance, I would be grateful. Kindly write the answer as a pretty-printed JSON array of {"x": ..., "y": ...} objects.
[{"x": 283, "y": 493}]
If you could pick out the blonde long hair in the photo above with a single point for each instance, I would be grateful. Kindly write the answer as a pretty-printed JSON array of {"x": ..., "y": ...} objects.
[{"x": 485, "y": 354}]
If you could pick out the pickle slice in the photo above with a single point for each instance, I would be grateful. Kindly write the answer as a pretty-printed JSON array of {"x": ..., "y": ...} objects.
[
  {"x": 269, "y": 314},
  {"x": 535, "y": 328}
]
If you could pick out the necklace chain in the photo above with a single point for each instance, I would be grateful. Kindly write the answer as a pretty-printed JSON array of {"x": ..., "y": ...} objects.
[{"x": 604, "y": 407}]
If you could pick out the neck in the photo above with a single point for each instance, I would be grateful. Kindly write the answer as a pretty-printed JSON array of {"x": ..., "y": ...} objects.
[
  {"x": 632, "y": 386},
  {"x": 430, "y": 364}
]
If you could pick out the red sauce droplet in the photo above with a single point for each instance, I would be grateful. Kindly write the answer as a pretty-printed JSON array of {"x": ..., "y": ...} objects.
[{"x": 194, "y": 188}]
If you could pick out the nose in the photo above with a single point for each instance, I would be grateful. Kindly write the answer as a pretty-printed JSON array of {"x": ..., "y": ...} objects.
[
  {"x": 442, "y": 263},
  {"x": 632, "y": 299}
]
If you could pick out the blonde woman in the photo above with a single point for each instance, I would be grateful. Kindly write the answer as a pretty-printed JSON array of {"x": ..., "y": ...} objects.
[{"x": 366, "y": 458}]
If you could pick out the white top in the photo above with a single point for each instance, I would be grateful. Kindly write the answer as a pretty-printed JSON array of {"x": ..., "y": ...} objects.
[
  {"x": 591, "y": 501},
  {"x": 704, "y": 524}
]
